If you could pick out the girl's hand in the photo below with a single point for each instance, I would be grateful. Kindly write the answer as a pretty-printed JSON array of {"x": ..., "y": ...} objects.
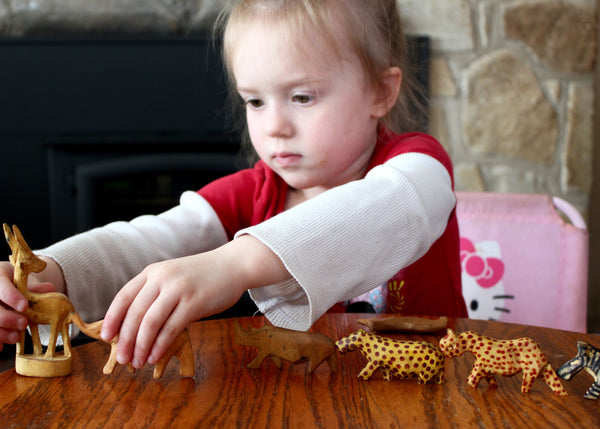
[
  {"x": 13, "y": 303},
  {"x": 156, "y": 305}
]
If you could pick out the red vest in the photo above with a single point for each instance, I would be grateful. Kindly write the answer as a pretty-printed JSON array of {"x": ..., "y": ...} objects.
[{"x": 429, "y": 286}]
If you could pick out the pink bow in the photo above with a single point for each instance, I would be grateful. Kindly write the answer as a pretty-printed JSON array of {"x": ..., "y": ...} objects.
[{"x": 486, "y": 271}]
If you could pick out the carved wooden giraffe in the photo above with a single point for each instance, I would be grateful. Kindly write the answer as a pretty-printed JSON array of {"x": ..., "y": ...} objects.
[
  {"x": 51, "y": 308},
  {"x": 181, "y": 349}
]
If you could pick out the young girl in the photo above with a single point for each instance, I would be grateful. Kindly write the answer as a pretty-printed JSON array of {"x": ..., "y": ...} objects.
[{"x": 337, "y": 204}]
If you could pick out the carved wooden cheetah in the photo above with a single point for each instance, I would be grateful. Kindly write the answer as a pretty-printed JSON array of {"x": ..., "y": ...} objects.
[
  {"x": 394, "y": 357},
  {"x": 504, "y": 357}
]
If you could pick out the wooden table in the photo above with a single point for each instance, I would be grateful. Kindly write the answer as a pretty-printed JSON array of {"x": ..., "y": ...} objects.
[{"x": 224, "y": 393}]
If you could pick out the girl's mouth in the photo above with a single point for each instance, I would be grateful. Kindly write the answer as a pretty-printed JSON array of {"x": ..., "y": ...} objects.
[{"x": 286, "y": 159}]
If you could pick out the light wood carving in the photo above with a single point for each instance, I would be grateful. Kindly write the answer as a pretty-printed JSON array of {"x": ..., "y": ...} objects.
[
  {"x": 51, "y": 309},
  {"x": 419, "y": 325},
  {"x": 181, "y": 349},
  {"x": 287, "y": 344}
]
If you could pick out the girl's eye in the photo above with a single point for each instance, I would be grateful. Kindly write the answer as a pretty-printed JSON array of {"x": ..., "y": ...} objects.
[
  {"x": 254, "y": 102},
  {"x": 302, "y": 98}
]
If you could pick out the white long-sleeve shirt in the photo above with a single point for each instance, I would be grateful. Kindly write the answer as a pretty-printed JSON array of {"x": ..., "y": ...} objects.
[{"x": 336, "y": 246}]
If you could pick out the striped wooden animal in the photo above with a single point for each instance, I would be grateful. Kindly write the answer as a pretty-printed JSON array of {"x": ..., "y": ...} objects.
[
  {"x": 394, "y": 357},
  {"x": 504, "y": 357},
  {"x": 588, "y": 358}
]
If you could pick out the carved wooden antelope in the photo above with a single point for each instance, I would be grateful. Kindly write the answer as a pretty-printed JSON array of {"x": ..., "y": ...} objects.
[{"x": 51, "y": 308}]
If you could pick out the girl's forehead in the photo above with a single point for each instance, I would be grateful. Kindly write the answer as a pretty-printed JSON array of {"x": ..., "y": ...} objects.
[{"x": 313, "y": 48}]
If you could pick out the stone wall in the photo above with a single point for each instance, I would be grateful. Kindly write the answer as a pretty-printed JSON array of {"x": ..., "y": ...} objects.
[
  {"x": 513, "y": 91},
  {"x": 512, "y": 80},
  {"x": 513, "y": 85}
]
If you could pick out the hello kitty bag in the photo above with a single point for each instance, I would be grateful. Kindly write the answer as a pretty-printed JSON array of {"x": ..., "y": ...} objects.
[{"x": 521, "y": 262}]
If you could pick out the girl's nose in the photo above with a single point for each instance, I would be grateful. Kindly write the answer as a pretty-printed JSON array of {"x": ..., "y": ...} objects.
[{"x": 277, "y": 123}]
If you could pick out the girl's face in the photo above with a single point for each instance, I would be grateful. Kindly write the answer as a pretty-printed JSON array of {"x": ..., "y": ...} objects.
[{"x": 313, "y": 121}]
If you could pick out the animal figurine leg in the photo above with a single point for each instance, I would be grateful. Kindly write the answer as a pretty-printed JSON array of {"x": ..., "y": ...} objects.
[
  {"x": 439, "y": 378},
  {"x": 109, "y": 367},
  {"x": 276, "y": 360},
  {"x": 477, "y": 373},
  {"x": 51, "y": 349},
  {"x": 182, "y": 350},
  {"x": 491, "y": 380},
  {"x": 187, "y": 364},
  {"x": 35, "y": 338},
  {"x": 552, "y": 380},
  {"x": 66, "y": 339},
  {"x": 257, "y": 361},
  {"x": 368, "y": 371},
  {"x": 594, "y": 391},
  {"x": 386, "y": 373},
  {"x": 21, "y": 344},
  {"x": 315, "y": 361},
  {"x": 425, "y": 377},
  {"x": 529, "y": 376}
]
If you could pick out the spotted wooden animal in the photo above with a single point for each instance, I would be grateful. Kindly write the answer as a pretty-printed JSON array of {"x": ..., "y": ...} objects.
[
  {"x": 588, "y": 358},
  {"x": 402, "y": 359},
  {"x": 504, "y": 357}
]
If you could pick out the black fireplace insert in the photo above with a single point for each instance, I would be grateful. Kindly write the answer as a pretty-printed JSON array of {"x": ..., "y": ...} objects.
[{"x": 100, "y": 129}]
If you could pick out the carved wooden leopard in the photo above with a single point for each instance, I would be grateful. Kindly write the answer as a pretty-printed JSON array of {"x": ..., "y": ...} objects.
[
  {"x": 504, "y": 357},
  {"x": 397, "y": 358}
]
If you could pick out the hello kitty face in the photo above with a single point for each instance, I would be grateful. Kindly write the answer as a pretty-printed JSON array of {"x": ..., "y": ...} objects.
[{"x": 482, "y": 272}]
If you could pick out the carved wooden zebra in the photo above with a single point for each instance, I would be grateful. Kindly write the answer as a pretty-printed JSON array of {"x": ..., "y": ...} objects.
[{"x": 588, "y": 358}]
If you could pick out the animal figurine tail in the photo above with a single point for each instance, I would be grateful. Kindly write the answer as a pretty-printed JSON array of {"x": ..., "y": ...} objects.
[{"x": 181, "y": 349}]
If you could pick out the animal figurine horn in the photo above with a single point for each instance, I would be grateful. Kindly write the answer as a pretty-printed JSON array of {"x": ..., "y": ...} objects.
[
  {"x": 292, "y": 346},
  {"x": 181, "y": 349}
]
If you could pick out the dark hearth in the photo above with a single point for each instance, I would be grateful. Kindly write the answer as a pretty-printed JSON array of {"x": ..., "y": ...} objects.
[
  {"x": 95, "y": 130},
  {"x": 100, "y": 129}
]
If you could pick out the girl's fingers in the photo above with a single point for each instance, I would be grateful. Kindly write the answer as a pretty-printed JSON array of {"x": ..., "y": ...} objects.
[
  {"x": 153, "y": 324},
  {"x": 11, "y": 323},
  {"x": 10, "y": 296},
  {"x": 132, "y": 320},
  {"x": 167, "y": 335},
  {"x": 8, "y": 336},
  {"x": 118, "y": 309}
]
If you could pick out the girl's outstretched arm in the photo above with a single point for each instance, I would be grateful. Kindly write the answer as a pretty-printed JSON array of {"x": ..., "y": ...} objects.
[{"x": 151, "y": 309}]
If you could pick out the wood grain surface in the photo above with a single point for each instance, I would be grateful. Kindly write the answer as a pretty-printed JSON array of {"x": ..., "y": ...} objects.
[{"x": 224, "y": 393}]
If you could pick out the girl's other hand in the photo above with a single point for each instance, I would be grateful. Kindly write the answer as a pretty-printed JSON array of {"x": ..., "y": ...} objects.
[{"x": 13, "y": 303}]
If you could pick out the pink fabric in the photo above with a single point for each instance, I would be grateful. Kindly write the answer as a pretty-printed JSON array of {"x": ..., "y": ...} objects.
[{"x": 521, "y": 262}]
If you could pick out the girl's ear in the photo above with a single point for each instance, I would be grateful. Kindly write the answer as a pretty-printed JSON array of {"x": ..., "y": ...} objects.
[{"x": 387, "y": 94}]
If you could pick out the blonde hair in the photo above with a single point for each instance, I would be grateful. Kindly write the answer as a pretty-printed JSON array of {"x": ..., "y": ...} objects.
[{"x": 371, "y": 30}]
